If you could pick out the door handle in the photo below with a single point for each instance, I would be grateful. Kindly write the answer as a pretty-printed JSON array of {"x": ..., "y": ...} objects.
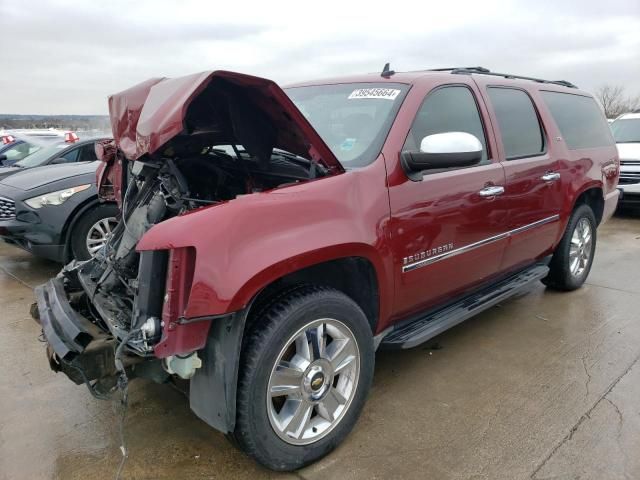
[
  {"x": 492, "y": 191},
  {"x": 550, "y": 177}
]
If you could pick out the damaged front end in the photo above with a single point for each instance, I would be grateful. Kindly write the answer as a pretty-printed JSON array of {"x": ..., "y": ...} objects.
[{"x": 180, "y": 145}]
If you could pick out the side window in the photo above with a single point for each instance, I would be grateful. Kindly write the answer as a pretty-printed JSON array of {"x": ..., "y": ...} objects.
[
  {"x": 518, "y": 122},
  {"x": 580, "y": 120},
  {"x": 88, "y": 153},
  {"x": 70, "y": 155},
  {"x": 447, "y": 109}
]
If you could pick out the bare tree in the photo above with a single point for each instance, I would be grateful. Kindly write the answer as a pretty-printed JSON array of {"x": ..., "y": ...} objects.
[{"x": 615, "y": 102}]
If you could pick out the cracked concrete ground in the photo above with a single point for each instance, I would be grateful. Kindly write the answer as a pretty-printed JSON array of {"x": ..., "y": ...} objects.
[{"x": 544, "y": 386}]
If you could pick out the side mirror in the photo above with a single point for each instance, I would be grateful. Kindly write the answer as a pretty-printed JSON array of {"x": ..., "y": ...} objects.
[
  {"x": 442, "y": 150},
  {"x": 58, "y": 160},
  {"x": 3, "y": 157}
]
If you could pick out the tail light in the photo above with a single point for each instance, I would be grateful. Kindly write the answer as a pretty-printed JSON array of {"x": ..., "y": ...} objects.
[
  {"x": 7, "y": 139},
  {"x": 71, "y": 137}
]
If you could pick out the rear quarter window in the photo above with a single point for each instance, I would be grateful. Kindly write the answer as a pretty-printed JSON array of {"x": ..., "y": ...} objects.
[{"x": 580, "y": 120}]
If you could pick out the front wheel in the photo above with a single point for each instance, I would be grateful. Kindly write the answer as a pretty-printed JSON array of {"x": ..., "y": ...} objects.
[
  {"x": 306, "y": 369},
  {"x": 572, "y": 260},
  {"x": 93, "y": 230}
]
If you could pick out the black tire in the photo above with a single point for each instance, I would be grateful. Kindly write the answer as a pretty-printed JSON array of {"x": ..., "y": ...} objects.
[
  {"x": 560, "y": 275},
  {"x": 87, "y": 220},
  {"x": 262, "y": 346}
]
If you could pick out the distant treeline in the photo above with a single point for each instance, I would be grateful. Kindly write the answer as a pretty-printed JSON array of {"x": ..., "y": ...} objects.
[{"x": 63, "y": 122}]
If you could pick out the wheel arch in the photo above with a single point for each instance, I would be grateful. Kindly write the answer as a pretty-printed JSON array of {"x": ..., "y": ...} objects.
[
  {"x": 72, "y": 220},
  {"x": 593, "y": 196},
  {"x": 355, "y": 276}
]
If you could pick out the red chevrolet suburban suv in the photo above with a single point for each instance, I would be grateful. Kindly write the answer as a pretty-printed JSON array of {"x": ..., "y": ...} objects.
[{"x": 271, "y": 240}]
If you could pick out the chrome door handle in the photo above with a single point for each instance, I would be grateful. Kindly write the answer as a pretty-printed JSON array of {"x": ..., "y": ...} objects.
[
  {"x": 491, "y": 191},
  {"x": 550, "y": 177}
]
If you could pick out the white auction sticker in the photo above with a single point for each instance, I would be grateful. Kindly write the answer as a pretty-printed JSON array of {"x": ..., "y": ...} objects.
[{"x": 387, "y": 93}]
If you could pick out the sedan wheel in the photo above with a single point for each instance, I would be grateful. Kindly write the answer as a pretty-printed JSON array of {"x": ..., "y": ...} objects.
[
  {"x": 92, "y": 230},
  {"x": 100, "y": 233}
]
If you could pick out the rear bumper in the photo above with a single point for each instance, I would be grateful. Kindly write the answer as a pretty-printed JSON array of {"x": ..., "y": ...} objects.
[{"x": 76, "y": 346}]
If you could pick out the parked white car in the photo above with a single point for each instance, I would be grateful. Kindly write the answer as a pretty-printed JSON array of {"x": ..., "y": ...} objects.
[{"x": 626, "y": 131}]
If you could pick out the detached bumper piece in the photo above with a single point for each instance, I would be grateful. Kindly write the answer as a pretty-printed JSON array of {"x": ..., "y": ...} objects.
[{"x": 76, "y": 346}]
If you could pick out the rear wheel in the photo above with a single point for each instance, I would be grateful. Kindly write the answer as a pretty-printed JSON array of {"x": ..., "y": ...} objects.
[
  {"x": 92, "y": 231},
  {"x": 572, "y": 260},
  {"x": 306, "y": 370}
]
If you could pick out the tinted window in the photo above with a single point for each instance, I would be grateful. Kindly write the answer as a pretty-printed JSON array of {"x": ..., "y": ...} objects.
[
  {"x": 448, "y": 109},
  {"x": 71, "y": 155},
  {"x": 518, "y": 122},
  {"x": 580, "y": 120},
  {"x": 626, "y": 130},
  {"x": 88, "y": 153}
]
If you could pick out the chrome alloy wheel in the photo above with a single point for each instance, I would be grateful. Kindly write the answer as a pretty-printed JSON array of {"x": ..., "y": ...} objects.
[
  {"x": 581, "y": 247},
  {"x": 313, "y": 381},
  {"x": 99, "y": 233}
]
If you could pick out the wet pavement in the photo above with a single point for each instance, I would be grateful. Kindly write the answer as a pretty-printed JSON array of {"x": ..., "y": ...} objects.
[{"x": 543, "y": 386}]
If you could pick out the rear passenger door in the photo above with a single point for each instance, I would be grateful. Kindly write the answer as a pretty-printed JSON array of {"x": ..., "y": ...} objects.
[{"x": 533, "y": 190}]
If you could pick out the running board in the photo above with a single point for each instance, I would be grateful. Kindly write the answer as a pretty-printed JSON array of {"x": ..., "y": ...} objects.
[{"x": 435, "y": 322}]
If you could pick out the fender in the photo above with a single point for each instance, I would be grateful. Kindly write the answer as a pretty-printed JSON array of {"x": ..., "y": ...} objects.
[
  {"x": 307, "y": 259},
  {"x": 574, "y": 193},
  {"x": 244, "y": 244},
  {"x": 575, "y": 188}
]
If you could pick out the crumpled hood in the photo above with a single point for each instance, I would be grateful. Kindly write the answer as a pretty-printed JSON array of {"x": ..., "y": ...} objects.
[
  {"x": 163, "y": 115},
  {"x": 629, "y": 151},
  {"x": 33, "y": 178}
]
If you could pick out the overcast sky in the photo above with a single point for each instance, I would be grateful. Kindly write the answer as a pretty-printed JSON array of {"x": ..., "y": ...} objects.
[{"x": 66, "y": 57}]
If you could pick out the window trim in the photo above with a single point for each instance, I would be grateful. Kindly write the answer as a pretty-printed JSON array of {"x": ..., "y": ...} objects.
[
  {"x": 543, "y": 131},
  {"x": 490, "y": 156}
]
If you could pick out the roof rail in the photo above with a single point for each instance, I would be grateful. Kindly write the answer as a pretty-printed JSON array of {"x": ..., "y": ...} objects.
[
  {"x": 486, "y": 71},
  {"x": 475, "y": 69}
]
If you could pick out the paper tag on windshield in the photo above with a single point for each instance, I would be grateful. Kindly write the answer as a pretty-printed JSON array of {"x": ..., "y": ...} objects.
[{"x": 387, "y": 93}]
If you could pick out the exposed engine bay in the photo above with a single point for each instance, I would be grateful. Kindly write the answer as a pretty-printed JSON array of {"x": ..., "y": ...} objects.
[
  {"x": 118, "y": 289},
  {"x": 179, "y": 145}
]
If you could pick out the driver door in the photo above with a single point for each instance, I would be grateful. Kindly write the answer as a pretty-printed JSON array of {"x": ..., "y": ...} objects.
[{"x": 447, "y": 233}]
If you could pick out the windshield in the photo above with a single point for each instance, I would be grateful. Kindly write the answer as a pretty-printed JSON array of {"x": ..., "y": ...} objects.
[
  {"x": 41, "y": 156},
  {"x": 626, "y": 130},
  {"x": 19, "y": 151},
  {"x": 353, "y": 118}
]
